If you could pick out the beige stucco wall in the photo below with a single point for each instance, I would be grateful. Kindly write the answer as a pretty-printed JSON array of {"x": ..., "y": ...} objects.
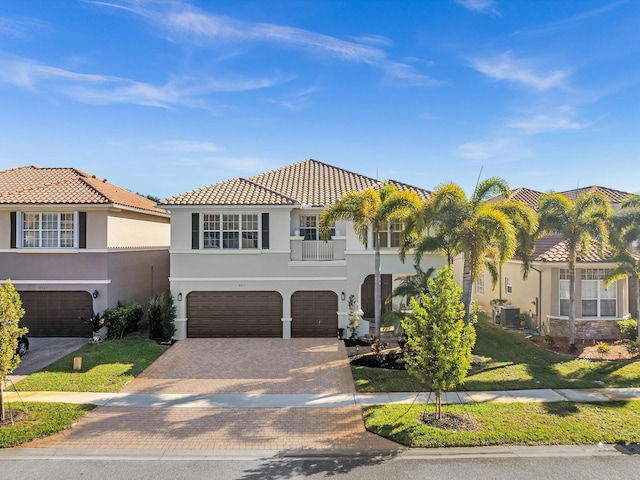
[{"x": 132, "y": 230}]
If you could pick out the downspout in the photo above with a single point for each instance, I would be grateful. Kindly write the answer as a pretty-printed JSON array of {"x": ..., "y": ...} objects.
[{"x": 539, "y": 297}]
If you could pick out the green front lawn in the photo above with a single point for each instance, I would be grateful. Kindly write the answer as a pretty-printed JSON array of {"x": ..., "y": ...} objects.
[
  {"x": 106, "y": 367},
  {"x": 511, "y": 362},
  {"x": 42, "y": 419},
  {"x": 561, "y": 423}
]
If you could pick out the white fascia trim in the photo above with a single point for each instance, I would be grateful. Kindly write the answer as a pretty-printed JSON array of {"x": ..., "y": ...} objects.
[
  {"x": 259, "y": 279},
  {"x": 208, "y": 208},
  {"x": 370, "y": 252},
  {"x": 215, "y": 251},
  {"x": 67, "y": 251},
  {"x": 311, "y": 263},
  {"x": 58, "y": 282}
]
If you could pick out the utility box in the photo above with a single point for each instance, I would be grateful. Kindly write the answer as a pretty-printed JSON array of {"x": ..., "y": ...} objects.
[{"x": 509, "y": 316}]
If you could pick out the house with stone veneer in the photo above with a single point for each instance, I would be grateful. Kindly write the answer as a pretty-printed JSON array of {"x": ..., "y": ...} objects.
[
  {"x": 247, "y": 260},
  {"x": 544, "y": 296},
  {"x": 70, "y": 241}
]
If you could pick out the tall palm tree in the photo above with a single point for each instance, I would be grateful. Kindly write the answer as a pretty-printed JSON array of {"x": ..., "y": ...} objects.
[
  {"x": 371, "y": 209},
  {"x": 485, "y": 232},
  {"x": 626, "y": 230},
  {"x": 581, "y": 223}
]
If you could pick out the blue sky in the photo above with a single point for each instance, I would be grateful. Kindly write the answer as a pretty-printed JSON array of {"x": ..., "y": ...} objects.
[{"x": 165, "y": 97}]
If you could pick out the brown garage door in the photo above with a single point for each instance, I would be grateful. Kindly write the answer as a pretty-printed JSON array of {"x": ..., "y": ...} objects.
[
  {"x": 234, "y": 314},
  {"x": 56, "y": 314},
  {"x": 314, "y": 314}
]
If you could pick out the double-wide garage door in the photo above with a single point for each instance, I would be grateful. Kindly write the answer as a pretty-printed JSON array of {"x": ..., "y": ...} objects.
[
  {"x": 56, "y": 314},
  {"x": 259, "y": 314}
]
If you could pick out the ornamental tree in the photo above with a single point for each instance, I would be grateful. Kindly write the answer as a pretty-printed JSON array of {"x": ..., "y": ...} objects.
[
  {"x": 10, "y": 314},
  {"x": 439, "y": 341}
]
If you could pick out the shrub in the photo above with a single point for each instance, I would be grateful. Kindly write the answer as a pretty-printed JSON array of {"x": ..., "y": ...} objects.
[
  {"x": 603, "y": 347},
  {"x": 628, "y": 329},
  {"x": 123, "y": 319},
  {"x": 632, "y": 347},
  {"x": 549, "y": 341},
  {"x": 162, "y": 313}
]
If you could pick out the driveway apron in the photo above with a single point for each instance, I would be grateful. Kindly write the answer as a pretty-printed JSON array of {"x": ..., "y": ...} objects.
[{"x": 233, "y": 366}]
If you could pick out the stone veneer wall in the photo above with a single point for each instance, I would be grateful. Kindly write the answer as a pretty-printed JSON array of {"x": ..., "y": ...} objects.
[{"x": 596, "y": 329}]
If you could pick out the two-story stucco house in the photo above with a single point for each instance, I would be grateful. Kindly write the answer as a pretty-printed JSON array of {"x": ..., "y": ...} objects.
[
  {"x": 70, "y": 242},
  {"x": 544, "y": 296},
  {"x": 246, "y": 258}
]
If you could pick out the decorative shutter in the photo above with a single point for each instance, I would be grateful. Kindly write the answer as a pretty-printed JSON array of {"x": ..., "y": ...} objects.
[
  {"x": 265, "y": 231},
  {"x": 82, "y": 229},
  {"x": 14, "y": 229},
  {"x": 195, "y": 231}
]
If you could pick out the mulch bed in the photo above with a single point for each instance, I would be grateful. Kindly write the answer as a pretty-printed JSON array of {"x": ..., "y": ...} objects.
[
  {"x": 453, "y": 422},
  {"x": 18, "y": 416},
  {"x": 588, "y": 349}
]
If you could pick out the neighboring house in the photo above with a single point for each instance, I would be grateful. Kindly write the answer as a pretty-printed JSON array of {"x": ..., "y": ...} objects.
[
  {"x": 247, "y": 260},
  {"x": 544, "y": 296},
  {"x": 70, "y": 242}
]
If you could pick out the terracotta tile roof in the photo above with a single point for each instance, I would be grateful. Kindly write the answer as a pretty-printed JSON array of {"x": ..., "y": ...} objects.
[
  {"x": 554, "y": 249},
  {"x": 614, "y": 196},
  {"x": 309, "y": 182},
  {"x": 237, "y": 191},
  {"x": 65, "y": 186},
  {"x": 424, "y": 194}
]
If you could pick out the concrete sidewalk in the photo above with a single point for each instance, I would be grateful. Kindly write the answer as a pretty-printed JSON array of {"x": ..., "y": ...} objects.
[{"x": 332, "y": 400}]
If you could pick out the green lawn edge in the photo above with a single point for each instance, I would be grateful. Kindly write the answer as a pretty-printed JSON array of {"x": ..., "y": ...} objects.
[{"x": 562, "y": 423}]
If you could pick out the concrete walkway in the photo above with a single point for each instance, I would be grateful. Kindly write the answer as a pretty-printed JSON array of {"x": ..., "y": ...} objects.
[{"x": 333, "y": 400}]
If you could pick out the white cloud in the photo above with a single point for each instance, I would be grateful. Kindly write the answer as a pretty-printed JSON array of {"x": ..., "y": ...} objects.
[
  {"x": 505, "y": 67},
  {"x": 482, "y": 6},
  {"x": 562, "y": 119},
  {"x": 497, "y": 150}
]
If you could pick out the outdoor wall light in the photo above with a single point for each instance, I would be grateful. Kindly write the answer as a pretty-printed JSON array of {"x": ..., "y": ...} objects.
[
  {"x": 95, "y": 294},
  {"x": 342, "y": 296},
  {"x": 180, "y": 296}
]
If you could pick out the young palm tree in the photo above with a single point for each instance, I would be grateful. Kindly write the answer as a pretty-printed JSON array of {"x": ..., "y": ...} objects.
[
  {"x": 581, "y": 223},
  {"x": 486, "y": 233},
  {"x": 371, "y": 209},
  {"x": 626, "y": 228}
]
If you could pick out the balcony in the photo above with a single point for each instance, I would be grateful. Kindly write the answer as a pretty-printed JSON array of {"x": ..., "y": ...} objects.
[{"x": 317, "y": 250}]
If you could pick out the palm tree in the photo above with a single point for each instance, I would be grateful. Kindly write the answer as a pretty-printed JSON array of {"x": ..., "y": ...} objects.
[
  {"x": 581, "y": 223},
  {"x": 371, "y": 209},
  {"x": 485, "y": 231},
  {"x": 411, "y": 286},
  {"x": 626, "y": 226}
]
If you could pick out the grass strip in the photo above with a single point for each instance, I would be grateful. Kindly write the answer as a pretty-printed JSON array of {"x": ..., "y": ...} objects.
[
  {"x": 562, "y": 423},
  {"x": 106, "y": 367},
  {"x": 42, "y": 419}
]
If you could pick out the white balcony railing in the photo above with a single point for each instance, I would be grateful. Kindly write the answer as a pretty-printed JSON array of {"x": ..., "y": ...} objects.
[{"x": 317, "y": 250}]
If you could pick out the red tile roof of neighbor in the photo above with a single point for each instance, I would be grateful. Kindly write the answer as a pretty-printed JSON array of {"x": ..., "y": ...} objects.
[
  {"x": 309, "y": 182},
  {"x": 554, "y": 249},
  {"x": 65, "y": 186}
]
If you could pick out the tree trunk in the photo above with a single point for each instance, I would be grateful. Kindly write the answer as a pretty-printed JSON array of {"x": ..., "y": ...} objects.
[
  {"x": 637, "y": 317},
  {"x": 572, "y": 309},
  {"x": 438, "y": 406},
  {"x": 466, "y": 292},
  {"x": 1, "y": 399},
  {"x": 377, "y": 292}
]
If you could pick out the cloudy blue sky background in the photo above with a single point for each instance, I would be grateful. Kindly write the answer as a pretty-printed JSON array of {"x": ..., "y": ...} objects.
[{"x": 166, "y": 97}]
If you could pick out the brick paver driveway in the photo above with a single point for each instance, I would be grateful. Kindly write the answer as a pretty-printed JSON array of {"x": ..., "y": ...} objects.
[{"x": 236, "y": 366}]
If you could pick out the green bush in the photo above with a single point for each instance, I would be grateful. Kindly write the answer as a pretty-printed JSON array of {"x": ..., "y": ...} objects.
[
  {"x": 628, "y": 329},
  {"x": 603, "y": 347},
  {"x": 632, "y": 347},
  {"x": 162, "y": 313},
  {"x": 123, "y": 319}
]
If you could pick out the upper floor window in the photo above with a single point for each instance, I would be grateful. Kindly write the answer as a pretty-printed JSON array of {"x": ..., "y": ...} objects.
[
  {"x": 389, "y": 235},
  {"x": 480, "y": 285},
  {"x": 596, "y": 300},
  {"x": 309, "y": 227},
  {"x": 508, "y": 286},
  {"x": 48, "y": 230},
  {"x": 232, "y": 231}
]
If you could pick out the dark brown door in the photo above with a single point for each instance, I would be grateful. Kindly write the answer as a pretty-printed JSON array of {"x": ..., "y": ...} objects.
[
  {"x": 367, "y": 294},
  {"x": 234, "y": 314},
  {"x": 56, "y": 314},
  {"x": 314, "y": 314}
]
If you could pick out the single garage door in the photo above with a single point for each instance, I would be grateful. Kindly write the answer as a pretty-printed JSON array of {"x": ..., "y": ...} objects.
[
  {"x": 56, "y": 314},
  {"x": 234, "y": 314},
  {"x": 314, "y": 314}
]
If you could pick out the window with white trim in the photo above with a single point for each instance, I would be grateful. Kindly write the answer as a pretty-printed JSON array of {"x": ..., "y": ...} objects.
[
  {"x": 48, "y": 230},
  {"x": 564, "y": 292},
  {"x": 389, "y": 234},
  {"x": 310, "y": 229},
  {"x": 230, "y": 231},
  {"x": 508, "y": 287},
  {"x": 480, "y": 285},
  {"x": 597, "y": 301}
]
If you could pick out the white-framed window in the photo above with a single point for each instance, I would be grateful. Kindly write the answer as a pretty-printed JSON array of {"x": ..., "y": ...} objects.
[
  {"x": 480, "y": 285},
  {"x": 596, "y": 300},
  {"x": 48, "y": 230},
  {"x": 389, "y": 234},
  {"x": 230, "y": 231},
  {"x": 310, "y": 227},
  {"x": 508, "y": 287},
  {"x": 564, "y": 292}
]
